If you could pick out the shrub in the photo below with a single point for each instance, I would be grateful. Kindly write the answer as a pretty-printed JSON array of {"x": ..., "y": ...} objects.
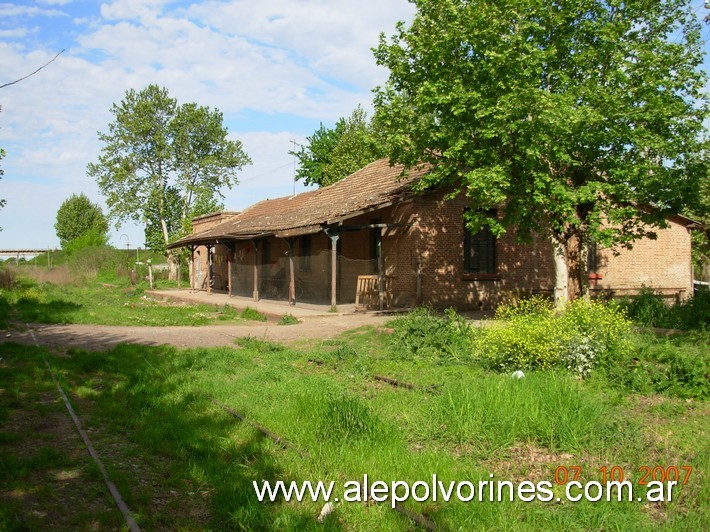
[
  {"x": 534, "y": 337},
  {"x": 677, "y": 367},
  {"x": 422, "y": 334},
  {"x": 7, "y": 278},
  {"x": 648, "y": 309},
  {"x": 95, "y": 260}
]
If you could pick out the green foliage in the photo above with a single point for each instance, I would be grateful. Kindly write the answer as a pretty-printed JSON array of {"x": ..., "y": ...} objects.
[
  {"x": 650, "y": 310},
  {"x": 564, "y": 116},
  {"x": 677, "y": 367},
  {"x": 289, "y": 319},
  {"x": 251, "y": 314},
  {"x": 332, "y": 154},
  {"x": 80, "y": 223},
  {"x": 91, "y": 260},
  {"x": 498, "y": 412},
  {"x": 422, "y": 334},
  {"x": 533, "y": 336},
  {"x": 159, "y": 159}
]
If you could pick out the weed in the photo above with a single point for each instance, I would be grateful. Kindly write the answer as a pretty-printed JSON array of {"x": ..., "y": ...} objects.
[
  {"x": 252, "y": 314},
  {"x": 421, "y": 334},
  {"x": 289, "y": 319},
  {"x": 650, "y": 310}
]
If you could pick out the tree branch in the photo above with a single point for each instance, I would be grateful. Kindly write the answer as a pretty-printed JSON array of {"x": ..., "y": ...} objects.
[{"x": 33, "y": 73}]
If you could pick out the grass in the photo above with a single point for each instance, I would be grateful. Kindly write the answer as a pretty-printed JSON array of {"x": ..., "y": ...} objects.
[
  {"x": 150, "y": 410},
  {"x": 182, "y": 462},
  {"x": 99, "y": 303}
]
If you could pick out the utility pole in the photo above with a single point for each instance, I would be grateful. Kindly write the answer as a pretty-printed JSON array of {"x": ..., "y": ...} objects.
[{"x": 294, "y": 164}]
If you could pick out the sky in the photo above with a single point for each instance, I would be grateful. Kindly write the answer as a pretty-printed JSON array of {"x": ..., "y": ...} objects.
[{"x": 276, "y": 69}]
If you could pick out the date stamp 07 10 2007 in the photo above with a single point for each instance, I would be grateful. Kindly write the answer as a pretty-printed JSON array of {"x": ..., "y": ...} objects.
[{"x": 678, "y": 474}]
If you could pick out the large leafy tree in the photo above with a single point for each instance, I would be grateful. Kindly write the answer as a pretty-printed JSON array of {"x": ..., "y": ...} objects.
[
  {"x": 159, "y": 157},
  {"x": 580, "y": 119},
  {"x": 80, "y": 223},
  {"x": 177, "y": 225},
  {"x": 332, "y": 154}
]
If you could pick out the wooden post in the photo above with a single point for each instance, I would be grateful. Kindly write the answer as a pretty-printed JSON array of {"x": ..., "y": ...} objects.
[
  {"x": 381, "y": 270},
  {"x": 230, "y": 258},
  {"x": 179, "y": 272},
  {"x": 150, "y": 274},
  {"x": 209, "y": 271},
  {"x": 419, "y": 283},
  {"x": 333, "y": 272},
  {"x": 291, "y": 276},
  {"x": 255, "y": 293},
  {"x": 191, "y": 268}
]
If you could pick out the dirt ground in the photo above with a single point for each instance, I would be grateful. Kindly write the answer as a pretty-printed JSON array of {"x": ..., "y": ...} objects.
[{"x": 102, "y": 337}]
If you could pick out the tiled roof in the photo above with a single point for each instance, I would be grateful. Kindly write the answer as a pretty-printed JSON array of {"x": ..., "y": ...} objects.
[{"x": 372, "y": 187}]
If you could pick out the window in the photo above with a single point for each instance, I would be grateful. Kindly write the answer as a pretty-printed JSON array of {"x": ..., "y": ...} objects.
[
  {"x": 479, "y": 251},
  {"x": 305, "y": 258}
]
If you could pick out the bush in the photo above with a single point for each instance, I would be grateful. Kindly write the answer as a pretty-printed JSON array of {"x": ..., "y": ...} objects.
[
  {"x": 422, "y": 334},
  {"x": 649, "y": 309},
  {"x": 535, "y": 337},
  {"x": 677, "y": 367},
  {"x": 7, "y": 278},
  {"x": 91, "y": 261}
]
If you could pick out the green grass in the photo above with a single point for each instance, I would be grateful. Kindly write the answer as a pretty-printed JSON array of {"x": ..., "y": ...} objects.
[
  {"x": 153, "y": 408},
  {"x": 103, "y": 304}
]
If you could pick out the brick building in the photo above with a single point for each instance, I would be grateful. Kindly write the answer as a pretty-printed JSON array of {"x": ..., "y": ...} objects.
[{"x": 370, "y": 238}]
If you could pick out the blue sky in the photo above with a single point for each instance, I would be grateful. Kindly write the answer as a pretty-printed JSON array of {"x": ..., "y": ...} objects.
[{"x": 275, "y": 68}]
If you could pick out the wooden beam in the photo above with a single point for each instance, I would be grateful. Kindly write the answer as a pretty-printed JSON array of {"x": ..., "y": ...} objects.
[
  {"x": 255, "y": 293},
  {"x": 333, "y": 271},
  {"x": 291, "y": 277},
  {"x": 209, "y": 272},
  {"x": 230, "y": 258},
  {"x": 381, "y": 270}
]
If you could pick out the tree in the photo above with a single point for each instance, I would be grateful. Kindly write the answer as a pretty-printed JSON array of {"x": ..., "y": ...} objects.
[
  {"x": 177, "y": 225},
  {"x": 582, "y": 120},
  {"x": 156, "y": 152},
  {"x": 333, "y": 154},
  {"x": 80, "y": 223}
]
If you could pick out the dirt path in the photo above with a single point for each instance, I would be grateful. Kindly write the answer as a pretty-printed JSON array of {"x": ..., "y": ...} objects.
[{"x": 102, "y": 337}]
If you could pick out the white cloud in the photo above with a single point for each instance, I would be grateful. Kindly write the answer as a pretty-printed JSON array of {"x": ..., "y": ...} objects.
[
  {"x": 307, "y": 60},
  {"x": 15, "y": 10}
]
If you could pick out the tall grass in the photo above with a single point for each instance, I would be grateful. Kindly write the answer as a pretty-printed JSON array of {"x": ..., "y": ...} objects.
[
  {"x": 650, "y": 310},
  {"x": 544, "y": 409}
]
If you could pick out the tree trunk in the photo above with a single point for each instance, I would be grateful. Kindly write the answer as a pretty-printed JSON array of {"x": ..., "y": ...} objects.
[
  {"x": 577, "y": 267},
  {"x": 172, "y": 265},
  {"x": 172, "y": 259},
  {"x": 570, "y": 260},
  {"x": 559, "y": 258}
]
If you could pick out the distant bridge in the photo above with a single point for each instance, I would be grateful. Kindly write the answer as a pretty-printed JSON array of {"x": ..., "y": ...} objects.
[{"x": 24, "y": 251}]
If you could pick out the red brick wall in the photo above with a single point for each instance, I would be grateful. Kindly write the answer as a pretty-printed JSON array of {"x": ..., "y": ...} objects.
[
  {"x": 663, "y": 264},
  {"x": 429, "y": 237}
]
